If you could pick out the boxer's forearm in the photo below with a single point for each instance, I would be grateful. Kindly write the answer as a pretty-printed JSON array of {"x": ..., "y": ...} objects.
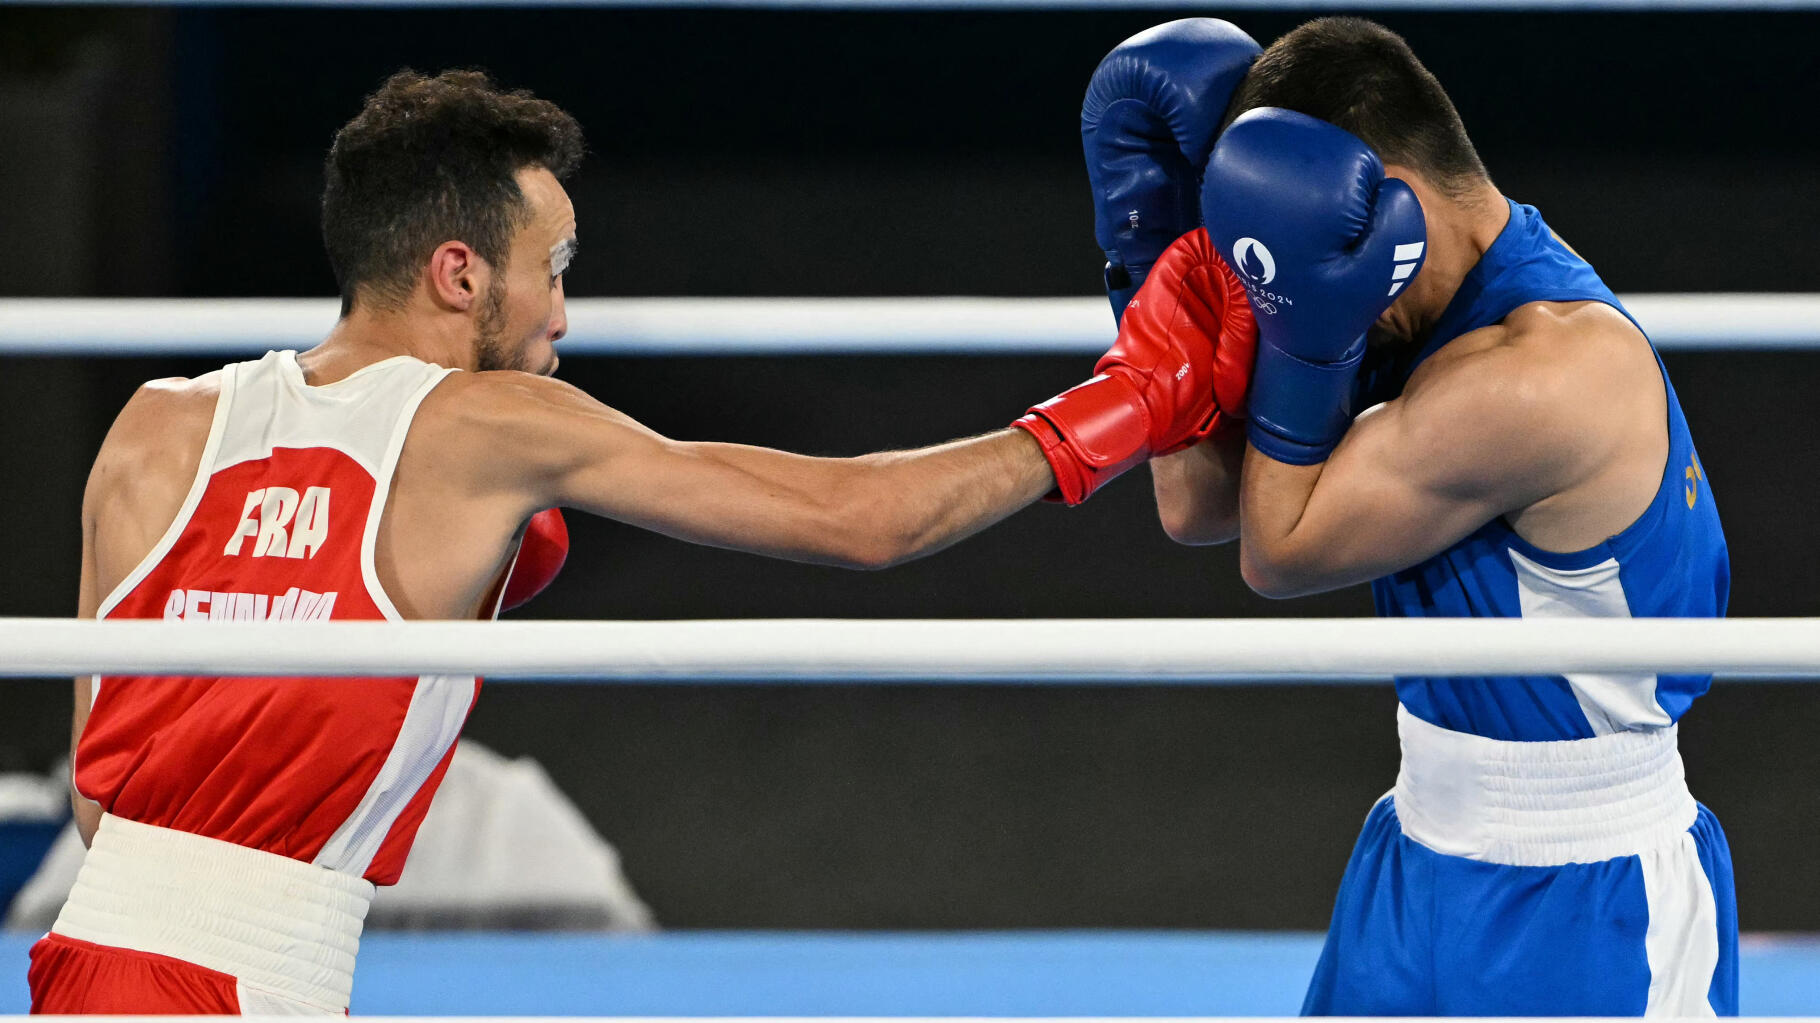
[
  {"x": 1404, "y": 484},
  {"x": 924, "y": 500},
  {"x": 871, "y": 511},
  {"x": 1197, "y": 490},
  {"x": 1274, "y": 555}
]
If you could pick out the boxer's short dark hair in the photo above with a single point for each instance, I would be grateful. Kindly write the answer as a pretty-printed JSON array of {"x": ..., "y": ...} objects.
[
  {"x": 429, "y": 160},
  {"x": 1363, "y": 77}
]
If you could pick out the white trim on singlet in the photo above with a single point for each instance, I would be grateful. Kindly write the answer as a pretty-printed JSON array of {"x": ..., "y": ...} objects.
[
  {"x": 1611, "y": 703},
  {"x": 382, "y": 490},
  {"x": 199, "y": 485},
  {"x": 311, "y": 421},
  {"x": 439, "y": 703},
  {"x": 432, "y": 723},
  {"x": 499, "y": 585},
  {"x": 205, "y": 470}
]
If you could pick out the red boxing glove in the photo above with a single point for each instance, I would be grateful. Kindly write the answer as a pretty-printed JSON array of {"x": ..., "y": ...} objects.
[
  {"x": 540, "y": 556},
  {"x": 1181, "y": 363}
]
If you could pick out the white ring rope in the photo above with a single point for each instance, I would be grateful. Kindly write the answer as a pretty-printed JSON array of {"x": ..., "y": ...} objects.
[
  {"x": 982, "y": 650},
  {"x": 777, "y": 326}
]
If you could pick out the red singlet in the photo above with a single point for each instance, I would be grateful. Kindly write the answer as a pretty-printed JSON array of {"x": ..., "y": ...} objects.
[{"x": 280, "y": 524}]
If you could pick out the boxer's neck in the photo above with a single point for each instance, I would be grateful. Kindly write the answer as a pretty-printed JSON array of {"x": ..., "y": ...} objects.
[
  {"x": 1460, "y": 228},
  {"x": 367, "y": 335}
]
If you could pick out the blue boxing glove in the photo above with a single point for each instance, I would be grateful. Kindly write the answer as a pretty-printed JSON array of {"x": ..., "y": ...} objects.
[
  {"x": 1147, "y": 124},
  {"x": 1323, "y": 242}
]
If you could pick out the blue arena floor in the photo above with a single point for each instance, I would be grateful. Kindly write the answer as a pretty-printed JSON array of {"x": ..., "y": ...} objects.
[{"x": 1029, "y": 973}]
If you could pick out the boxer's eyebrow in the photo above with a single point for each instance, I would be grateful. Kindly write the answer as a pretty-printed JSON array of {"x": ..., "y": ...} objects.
[{"x": 562, "y": 254}]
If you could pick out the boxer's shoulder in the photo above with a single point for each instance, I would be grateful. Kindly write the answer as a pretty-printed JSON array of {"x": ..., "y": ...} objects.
[
  {"x": 166, "y": 421},
  {"x": 507, "y": 405},
  {"x": 1580, "y": 332},
  {"x": 145, "y": 467},
  {"x": 505, "y": 425},
  {"x": 1542, "y": 355},
  {"x": 1549, "y": 398},
  {"x": 500, "y": 392},
  {"x": 179, "y": 396}
]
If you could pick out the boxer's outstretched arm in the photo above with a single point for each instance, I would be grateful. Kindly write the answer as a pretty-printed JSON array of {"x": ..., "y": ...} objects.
[
  {"x": 1473, "y": 437},
  {"x": 1197, "y": 490},
  {"x": 555, "y": 445},
  {"x": 516, "y": 443},
  {"x": 870, "y": 512}
]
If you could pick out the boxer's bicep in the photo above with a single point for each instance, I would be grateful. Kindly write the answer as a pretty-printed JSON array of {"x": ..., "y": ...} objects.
[
  {"x": 563, "y": 448},
  {"x": 1411, "y": 478},
  {"x": 864, "y": 512}
]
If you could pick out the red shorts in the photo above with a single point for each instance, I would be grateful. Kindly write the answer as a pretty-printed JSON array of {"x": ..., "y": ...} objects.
[{"x": 72, "y": 976}]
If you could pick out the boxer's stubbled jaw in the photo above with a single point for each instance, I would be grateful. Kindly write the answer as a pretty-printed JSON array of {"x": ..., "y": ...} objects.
[{"x": 489, "y": 330}]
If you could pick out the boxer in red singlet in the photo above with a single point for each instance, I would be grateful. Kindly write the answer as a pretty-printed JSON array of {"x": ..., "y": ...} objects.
[{"x": 238, "y": 826}]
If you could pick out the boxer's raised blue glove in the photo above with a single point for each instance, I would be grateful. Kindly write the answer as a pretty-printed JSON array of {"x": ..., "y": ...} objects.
[
  {"x": 1324, "y": 243},
  {"x": 1147, "y": 125}
]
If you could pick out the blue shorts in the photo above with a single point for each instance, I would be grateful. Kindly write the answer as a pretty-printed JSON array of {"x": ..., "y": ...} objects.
[{"x": 1420, "y": 933}]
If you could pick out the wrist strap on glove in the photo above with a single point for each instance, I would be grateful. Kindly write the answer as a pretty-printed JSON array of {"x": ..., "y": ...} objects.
[
  {"x": 1090, "y": 434},
  {"x": 1300, "y": 409}
]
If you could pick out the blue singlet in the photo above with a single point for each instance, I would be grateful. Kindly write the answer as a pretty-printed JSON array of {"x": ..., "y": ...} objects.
[
  {"x": 1541, "y": 854},
  {"x": 1671, "y": 562}
]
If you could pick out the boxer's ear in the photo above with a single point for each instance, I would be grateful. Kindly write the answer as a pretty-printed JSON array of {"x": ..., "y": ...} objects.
[{"x": 456, "y": 276}]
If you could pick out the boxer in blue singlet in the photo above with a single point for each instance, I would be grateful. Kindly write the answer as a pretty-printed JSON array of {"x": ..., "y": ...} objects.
[{"x": 1521, "y": 454}]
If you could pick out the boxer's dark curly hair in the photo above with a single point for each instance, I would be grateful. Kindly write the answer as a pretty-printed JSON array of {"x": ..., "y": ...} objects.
[
  {"x": 429, "y": 160},
  {"x": 1363, "y": 77}
]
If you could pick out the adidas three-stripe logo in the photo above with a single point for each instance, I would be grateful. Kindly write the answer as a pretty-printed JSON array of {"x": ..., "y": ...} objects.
[{"x": 1406, "y": 256}]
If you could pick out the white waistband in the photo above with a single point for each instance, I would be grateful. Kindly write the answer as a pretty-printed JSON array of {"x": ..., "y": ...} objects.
[
  {"x": 274, "y": 923},
  {"x": 1538, "y": 804}
]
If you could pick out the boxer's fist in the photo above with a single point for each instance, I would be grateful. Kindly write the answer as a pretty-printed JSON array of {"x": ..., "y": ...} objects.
[
  {"x": 540, "y": 556},
  {"x": 1147, "y": 125},
  {"x": 1324, "y": 243},
  {"x": 1182, "y": 360}
]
